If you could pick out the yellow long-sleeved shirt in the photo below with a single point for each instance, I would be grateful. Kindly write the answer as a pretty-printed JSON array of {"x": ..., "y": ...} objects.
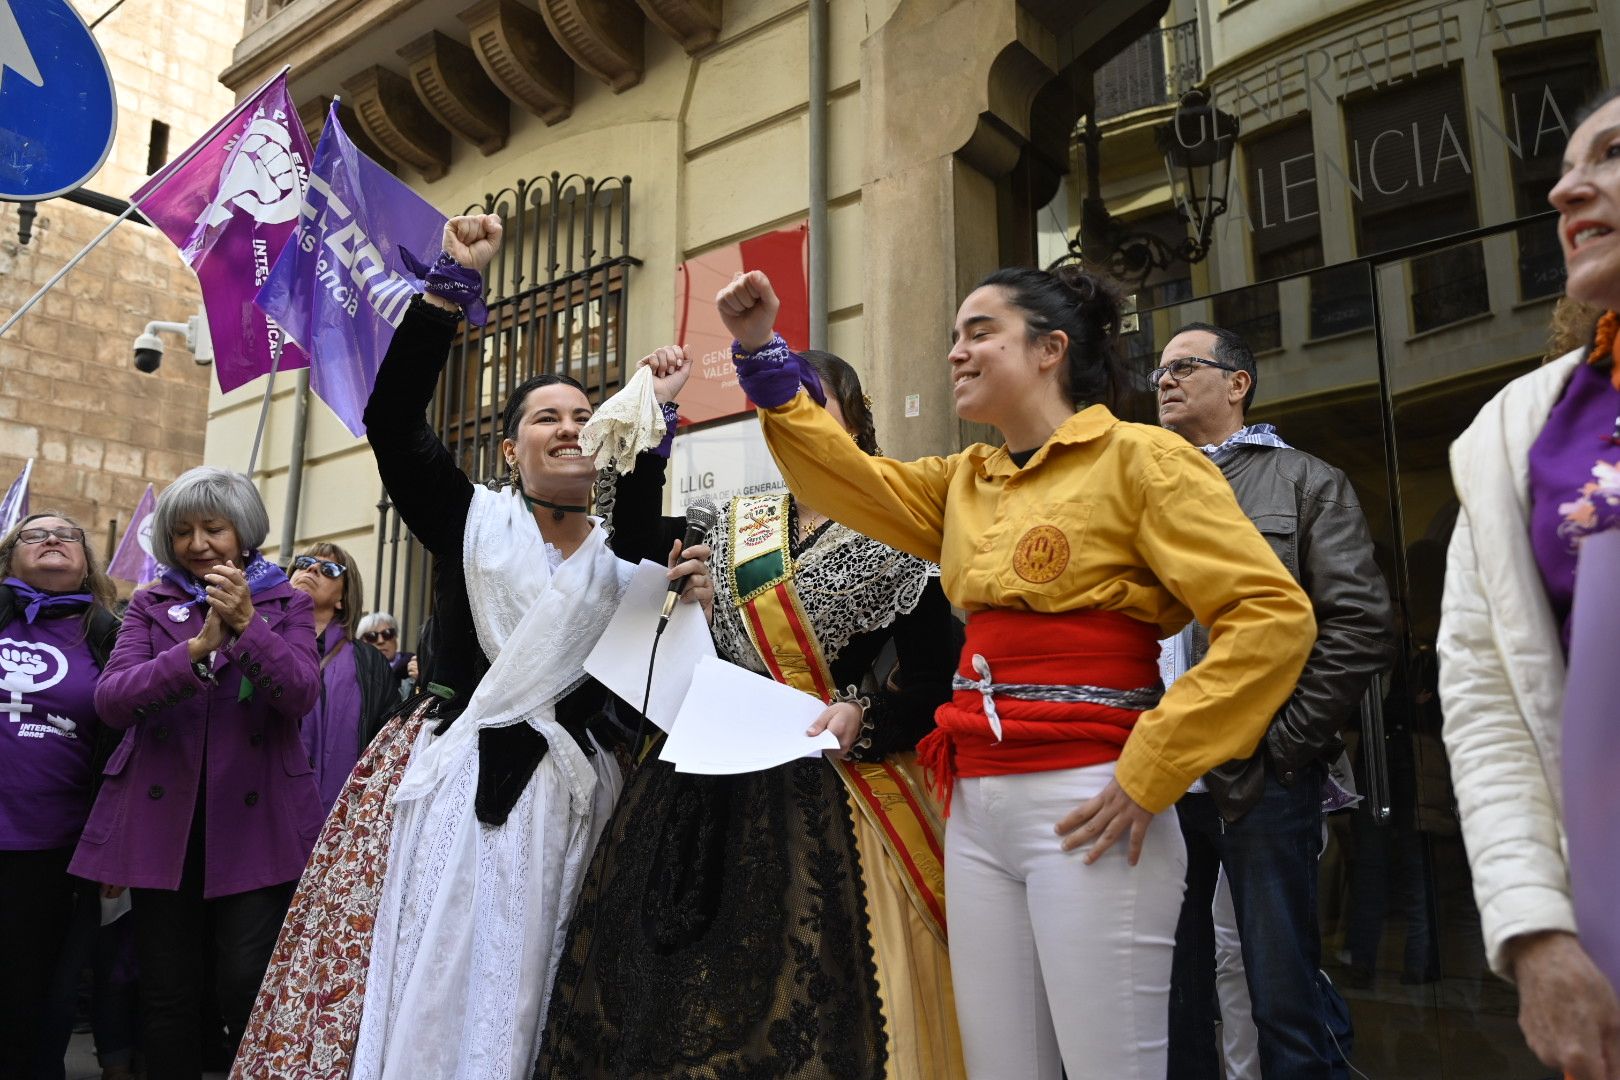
[{"x": 1108, "y": 516}]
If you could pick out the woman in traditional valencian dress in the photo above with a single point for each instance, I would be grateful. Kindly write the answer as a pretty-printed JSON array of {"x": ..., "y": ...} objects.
[
  {"x": 784, "y": 923},
  {"x": 425, "y": 930}
]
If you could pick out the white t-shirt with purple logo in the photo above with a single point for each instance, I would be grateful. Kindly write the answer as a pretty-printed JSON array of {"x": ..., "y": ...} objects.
[{"x": 47, "y": 731}]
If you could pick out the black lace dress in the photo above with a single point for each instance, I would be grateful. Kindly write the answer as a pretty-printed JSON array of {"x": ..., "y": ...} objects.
[{"x": 722, "y": 930}]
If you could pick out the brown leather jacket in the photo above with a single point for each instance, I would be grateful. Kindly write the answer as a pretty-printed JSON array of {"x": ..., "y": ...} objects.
[{"x": 1309, "y": 514}]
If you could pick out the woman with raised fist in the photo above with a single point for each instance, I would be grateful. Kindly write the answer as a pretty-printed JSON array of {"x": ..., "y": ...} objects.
[
  {"x": 1073, "y": 546},
  {"x": 422, "y": 942}
]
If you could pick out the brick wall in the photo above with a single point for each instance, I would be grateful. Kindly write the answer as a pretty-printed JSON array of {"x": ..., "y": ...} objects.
[{"x": 70, "y": 396}]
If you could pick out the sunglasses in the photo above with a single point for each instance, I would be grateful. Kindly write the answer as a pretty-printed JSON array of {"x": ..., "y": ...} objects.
[
  {"x": 39, "y": 536},
  {"x": 325, "y": 567},
  {"x": 371, "y": 637}
]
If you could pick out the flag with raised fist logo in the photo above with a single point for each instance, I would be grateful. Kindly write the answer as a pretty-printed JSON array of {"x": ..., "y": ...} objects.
[
  {"x": 230, "y": 209},
  {"x": 341, "y": 287}
]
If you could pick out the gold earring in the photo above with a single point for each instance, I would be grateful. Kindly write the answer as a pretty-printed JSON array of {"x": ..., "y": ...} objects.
[{"x": 512, "y": 473}]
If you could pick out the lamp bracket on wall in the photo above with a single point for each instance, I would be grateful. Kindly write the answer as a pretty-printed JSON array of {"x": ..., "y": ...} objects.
[{"x": 1196, "y": 144}]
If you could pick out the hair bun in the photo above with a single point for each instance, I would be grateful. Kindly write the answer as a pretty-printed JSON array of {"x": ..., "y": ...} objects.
[{"x": 1099, "y": 299}]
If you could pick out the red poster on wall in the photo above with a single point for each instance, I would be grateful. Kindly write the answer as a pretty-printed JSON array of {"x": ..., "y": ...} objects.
[{"x": 712, "y": 392}]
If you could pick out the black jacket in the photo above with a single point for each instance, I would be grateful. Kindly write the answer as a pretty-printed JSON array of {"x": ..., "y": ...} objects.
[
  {"x": 379, "y": 690},
  {"x": 1308, "y": 512}
]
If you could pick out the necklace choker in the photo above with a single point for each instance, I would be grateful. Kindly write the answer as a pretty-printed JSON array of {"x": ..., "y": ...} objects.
[{"x": 557, "y": 509}]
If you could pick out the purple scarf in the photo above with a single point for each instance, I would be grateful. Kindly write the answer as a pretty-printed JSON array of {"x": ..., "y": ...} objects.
[
  {"x": 35, "y": 599},
  {"x": 260, "y": 572}
]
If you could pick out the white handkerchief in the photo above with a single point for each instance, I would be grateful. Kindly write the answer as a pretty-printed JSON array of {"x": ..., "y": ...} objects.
[{"x": 626, "y": 424}]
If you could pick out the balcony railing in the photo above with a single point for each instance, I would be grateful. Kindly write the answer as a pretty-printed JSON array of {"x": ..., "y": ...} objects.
[{"x": 1155, "y": 69}]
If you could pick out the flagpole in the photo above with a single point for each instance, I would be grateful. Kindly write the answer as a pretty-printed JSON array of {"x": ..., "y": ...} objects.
[
  {"x": 264, "y": 408},
  {"x": 134, "y": 204}
]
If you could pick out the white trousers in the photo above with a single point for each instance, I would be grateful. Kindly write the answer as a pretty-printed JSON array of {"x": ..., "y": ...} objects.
[
  {"x": 1240, "y": 1039},
  {"x": 1058, "y": 965}
]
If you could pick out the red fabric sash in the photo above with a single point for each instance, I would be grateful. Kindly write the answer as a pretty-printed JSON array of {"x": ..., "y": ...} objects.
[{"x": 1074, "y": 648}]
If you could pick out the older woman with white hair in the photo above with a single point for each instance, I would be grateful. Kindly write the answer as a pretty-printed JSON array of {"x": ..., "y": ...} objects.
[
  {"x": 209, "y": 806},
  {"x": 380, "y": 630}
]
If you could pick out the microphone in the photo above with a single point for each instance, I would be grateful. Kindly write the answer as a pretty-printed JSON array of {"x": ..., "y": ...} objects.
[{"x": 701, "y": 516}]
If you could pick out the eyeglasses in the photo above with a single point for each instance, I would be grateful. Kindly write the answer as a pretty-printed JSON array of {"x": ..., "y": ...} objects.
[
  {"x": 1185, "y": 366},
  {"x": 325, "y": 567},
  {"x": 371, "y": 637},
  {"x": 39, "y": 536}
]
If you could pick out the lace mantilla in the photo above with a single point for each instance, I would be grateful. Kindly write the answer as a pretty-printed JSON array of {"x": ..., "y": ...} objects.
[{"x": 848, "y": 584}]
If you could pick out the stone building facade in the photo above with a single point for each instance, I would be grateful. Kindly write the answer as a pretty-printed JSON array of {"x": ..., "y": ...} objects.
[
  {"x": 70, "y": 397},
  {"x": 946, "y": 126}
]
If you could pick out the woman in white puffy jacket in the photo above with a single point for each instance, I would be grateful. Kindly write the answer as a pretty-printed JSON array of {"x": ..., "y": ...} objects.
[{"x": 1524, "y": 475}]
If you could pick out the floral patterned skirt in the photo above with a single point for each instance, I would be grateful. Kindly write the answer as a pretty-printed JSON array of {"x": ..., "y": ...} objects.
[{"x": 307, "y": 1015}]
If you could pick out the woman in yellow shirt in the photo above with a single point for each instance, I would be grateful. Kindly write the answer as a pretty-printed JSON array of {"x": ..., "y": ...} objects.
[{"x": 1073, "y": 547}]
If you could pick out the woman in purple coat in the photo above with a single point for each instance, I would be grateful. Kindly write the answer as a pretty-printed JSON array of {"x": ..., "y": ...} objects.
[{"x": 208, "y": 808}]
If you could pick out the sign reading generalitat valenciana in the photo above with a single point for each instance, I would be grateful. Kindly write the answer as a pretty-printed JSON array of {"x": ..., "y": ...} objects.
[{"x": 57, "y": 109}]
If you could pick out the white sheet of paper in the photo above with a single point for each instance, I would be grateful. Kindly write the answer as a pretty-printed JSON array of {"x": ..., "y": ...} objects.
[
  {"x": 619, "y": 661},
  {"x": 734, "y": 721}
]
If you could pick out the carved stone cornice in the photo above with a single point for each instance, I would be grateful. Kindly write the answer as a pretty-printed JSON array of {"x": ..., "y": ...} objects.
[
  {"x": 603, "y": 36},
  {"x": 390, "y": 111},
  {"x": 456, "y": 91},
  {"x": 312, "y": 114},
  {"x": 521, "y": 57},
  {"x": 693, "y": 23}
]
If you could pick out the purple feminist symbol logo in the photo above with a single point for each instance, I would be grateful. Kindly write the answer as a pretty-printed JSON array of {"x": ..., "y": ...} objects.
[{"x": 28, "y": 667}]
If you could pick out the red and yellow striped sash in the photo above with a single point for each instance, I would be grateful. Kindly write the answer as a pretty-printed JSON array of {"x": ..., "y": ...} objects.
[{"x": 889, "y": 794}]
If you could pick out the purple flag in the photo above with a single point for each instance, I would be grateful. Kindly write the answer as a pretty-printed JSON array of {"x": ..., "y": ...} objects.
[
  {"x": 1591, "y": 748},
  {"x": 14, "y": 507},
  {"x": 133, "y": 561},
  {"x": 230, "y": 210},
  {"x": 340, "y": 288}
]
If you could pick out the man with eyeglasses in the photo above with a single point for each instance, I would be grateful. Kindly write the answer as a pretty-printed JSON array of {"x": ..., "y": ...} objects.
[{"x": 1259, "y": 819}]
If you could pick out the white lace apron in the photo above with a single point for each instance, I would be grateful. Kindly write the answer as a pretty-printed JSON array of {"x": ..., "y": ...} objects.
[{"x": 473, "y": 917}]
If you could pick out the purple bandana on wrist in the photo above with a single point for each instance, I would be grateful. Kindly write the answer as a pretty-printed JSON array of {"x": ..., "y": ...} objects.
[
  {"x": 672, "y": 419},
  {"x": 35, "y": 599},
  {"x": 461, "y": 285},
  {"x": 773, "y": 373}
]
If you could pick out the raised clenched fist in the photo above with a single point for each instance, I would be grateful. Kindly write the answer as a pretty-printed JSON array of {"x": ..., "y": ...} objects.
[
  {"x": 473, "y": 240},
  {"x": 670, "y": 369},
  {"x": 748, "y": 308},
  {"x": 29, "y": 665},
  {"x": 262, "y": 178}
]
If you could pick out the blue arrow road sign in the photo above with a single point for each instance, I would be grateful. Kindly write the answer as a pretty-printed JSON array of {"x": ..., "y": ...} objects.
[{"x": 57, "y": 112}]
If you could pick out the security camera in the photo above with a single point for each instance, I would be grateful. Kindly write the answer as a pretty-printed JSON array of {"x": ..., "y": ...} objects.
[
  {"x": 148, "y": 353},
  {"x": 149, "y": 347}
]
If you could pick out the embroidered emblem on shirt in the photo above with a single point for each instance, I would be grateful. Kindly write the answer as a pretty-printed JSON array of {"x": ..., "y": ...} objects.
[
  {"x": 759, "y": 529},
  {"x": 1041, "y": 554}
]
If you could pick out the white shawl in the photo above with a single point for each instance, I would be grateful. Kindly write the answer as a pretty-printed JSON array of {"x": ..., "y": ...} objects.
[
  {"x": 473, "y": 918},
  {"x": 536, "y": 626}
]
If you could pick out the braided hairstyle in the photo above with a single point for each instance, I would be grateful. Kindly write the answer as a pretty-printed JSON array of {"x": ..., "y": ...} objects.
[
  {"x": 1087, "y": 308},
  {"x": 838, "y": 378}
]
